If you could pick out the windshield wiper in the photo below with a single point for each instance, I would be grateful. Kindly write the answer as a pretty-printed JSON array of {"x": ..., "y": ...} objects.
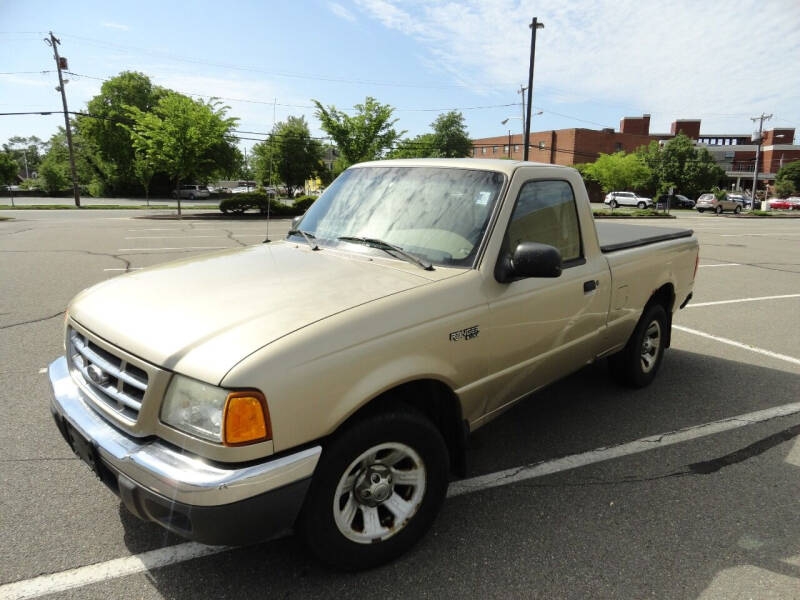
[
  {"x": 388, "y": 248},
  {"x": 308, "y": 237}
]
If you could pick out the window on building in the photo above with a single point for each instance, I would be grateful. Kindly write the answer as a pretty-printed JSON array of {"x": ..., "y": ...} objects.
[
  {"x": 505, "y": 149},
  {"x": 617, "y": 146},
  {"x": 494, "y": 149},
  {"x": 516, "y": 147},
  {"x": 474, "y": 152},
  {"x": 545, "y": 212},
  {"x": 483, "y": 150}
]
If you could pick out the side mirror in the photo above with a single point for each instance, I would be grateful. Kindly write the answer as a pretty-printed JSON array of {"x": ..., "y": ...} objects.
[
  {"x": 530, "y": 259},
  {"x": 296, "y": 221}
]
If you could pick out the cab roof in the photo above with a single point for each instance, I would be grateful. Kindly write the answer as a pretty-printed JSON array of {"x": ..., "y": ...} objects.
[{"x": 484, "y": 164}]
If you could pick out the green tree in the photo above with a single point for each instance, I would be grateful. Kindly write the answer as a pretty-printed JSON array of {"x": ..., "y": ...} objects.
[
  {"x": 785, "y": 187},
  {"x": 54, "y": 172},
  {"x": 106, "y": 129},
  {"x": 364, "y": 136},
  {"x": 290, "y": 153},
  {"x": 789, "y": 174},
  {"x": 679, "y": 164},
  {"x": 422, "y": 146},
  {"x": 27, "y": 151},
  {"x": 8, "y": 171},
  {"x": 181, "y": 136},
  {"x": 618, "y": 171},
  {"x": 450, "y": 136}
]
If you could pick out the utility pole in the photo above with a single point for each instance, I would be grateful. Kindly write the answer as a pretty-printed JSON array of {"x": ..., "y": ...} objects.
[
  {"x": 534, "y": 26},
  {"x": 760, "y": 120},
  {"x": 54, "y": 42},
  {"x": 521, "y": 92}
]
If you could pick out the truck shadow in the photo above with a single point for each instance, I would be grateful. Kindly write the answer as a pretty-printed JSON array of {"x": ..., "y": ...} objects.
[{"x": 590, "y": 532}]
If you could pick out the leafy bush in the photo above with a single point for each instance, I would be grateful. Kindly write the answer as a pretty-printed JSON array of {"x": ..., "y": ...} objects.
[
  {"x": 240, "y": 203},
  {"x": 303, "y": 202}
]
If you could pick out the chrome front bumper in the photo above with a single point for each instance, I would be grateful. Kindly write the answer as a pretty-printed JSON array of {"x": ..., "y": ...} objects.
[{"x": 165, "y": 470}]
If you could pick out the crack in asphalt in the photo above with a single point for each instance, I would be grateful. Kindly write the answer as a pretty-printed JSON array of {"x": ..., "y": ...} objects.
[
  {"x": 39, "y": 320},
  {"x": 10, "y": 233},
  {"x": 759, "y": 265},
  {"x": 231, "y": 238}
]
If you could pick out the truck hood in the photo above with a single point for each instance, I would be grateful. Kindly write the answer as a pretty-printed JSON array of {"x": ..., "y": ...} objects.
[{"x": 201, "y": 316}]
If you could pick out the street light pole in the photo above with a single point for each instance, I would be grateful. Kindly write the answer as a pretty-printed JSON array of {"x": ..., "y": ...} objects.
[{"x": 534, "y": 26}]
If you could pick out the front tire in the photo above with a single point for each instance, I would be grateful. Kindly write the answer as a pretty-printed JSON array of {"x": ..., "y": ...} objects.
[
  {"x": 377, "y": 490},
  {"x": 701, "y": 210},
  {"x": 638, "y": 363},
  {"x": 641, "y": 205},
  {"x": 613, "y": 204},
  {"x": 718, "y": 210},
  {"x": 737, "y": 210}
]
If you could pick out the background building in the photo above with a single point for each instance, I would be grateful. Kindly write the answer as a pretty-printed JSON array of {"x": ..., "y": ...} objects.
[{"x": 733, "y": 152}]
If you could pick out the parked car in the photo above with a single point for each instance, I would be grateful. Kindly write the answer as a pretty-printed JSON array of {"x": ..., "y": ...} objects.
[
  {"x": 242, "y": 189},
  {"x": 193, "y": 191},
  {"x": 676, "y": 201},
  {"x": 329, "y": 380},
  {"x": 745, "y": 201},
  {"x": 614, "y": 199},
  {"x": 711, "y": 203},
  {"x": 791, "y": 203}
]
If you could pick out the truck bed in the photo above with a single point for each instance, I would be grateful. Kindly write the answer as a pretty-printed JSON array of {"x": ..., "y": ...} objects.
[{"x": 619, "y": 236}]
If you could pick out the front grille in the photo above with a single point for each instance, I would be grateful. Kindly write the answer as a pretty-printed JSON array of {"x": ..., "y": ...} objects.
[{"x": 118, "y": 384}]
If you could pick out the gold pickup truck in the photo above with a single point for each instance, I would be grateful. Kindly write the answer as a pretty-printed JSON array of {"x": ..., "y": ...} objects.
[{"x": 327, "y": 382}]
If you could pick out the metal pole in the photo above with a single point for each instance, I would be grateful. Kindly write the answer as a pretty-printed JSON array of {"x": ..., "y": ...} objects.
[
  {"x": 53, "y": 41},
  {"x": 761, "y": 120},
  {"x": 522, "y": 89},
  {"x": 534, "y": 26}
]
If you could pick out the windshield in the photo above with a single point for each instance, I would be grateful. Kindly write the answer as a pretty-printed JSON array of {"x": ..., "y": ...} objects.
[{"x": 437, "y": 214}]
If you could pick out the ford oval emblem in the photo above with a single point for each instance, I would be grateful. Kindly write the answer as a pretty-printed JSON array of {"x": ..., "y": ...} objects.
[{"x": 97, "y": 375}]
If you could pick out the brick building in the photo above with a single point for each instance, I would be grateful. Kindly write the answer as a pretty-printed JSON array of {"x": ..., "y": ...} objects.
[{"x": 733, "y": 152}]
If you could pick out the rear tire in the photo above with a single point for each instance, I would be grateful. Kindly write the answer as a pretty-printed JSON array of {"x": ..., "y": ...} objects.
[
  {"x": 718, "y": 210},
  {"x": 641, "y": 205},
  {"x": 637, "y": 364},
  {"x": 357, "y": 514},
  {"x": 701, "y": 210},
  {"x": 613, "y": 204},
  {"x": 737, "y": 210}
]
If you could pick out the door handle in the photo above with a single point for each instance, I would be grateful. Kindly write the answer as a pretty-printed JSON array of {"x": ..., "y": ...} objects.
[{"x": 590, "y": 286}]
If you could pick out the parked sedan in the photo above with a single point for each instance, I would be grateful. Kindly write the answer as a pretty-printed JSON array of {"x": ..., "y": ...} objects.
[
  {"x": 676, "y": 201},
  {"x": 785, "y": 204},
  {"x": 615, "y": 199},
  {"x": 711, "y": 203}
]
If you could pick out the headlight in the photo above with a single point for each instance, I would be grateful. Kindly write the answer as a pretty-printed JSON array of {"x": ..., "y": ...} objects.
[
  {"x": 214, "y": 414},
  {"x": 194, "y": 407}
]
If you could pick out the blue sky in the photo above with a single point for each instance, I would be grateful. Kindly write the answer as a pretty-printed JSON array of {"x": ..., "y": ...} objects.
[{"x": 596, "y": 61}]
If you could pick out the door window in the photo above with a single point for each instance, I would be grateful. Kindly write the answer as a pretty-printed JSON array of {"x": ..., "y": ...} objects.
[{"x": 545, "y": 212}]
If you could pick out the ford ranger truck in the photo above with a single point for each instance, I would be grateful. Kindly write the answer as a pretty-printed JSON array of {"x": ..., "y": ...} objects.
[{"x": 327, "y": 382}]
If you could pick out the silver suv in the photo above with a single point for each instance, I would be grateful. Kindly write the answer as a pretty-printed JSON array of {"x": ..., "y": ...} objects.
[
  {"x": 193, "y": 192},
  {"x": 711, "y": 203},
  {"x": 615, "y": 199}
]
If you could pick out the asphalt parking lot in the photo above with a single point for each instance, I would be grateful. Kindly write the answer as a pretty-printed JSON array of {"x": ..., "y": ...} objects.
[{"x": 687, "y": 489}]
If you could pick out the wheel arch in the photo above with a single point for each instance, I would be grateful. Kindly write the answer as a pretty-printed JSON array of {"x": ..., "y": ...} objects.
[
  {"x": 437, "y": 402},
  {"x": 665, "y": 296}
]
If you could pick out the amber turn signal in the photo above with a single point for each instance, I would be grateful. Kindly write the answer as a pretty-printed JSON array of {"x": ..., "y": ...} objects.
[{"x": 245, "y": 419}]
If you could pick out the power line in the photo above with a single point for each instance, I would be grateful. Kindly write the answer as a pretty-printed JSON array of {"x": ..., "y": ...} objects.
[
  {"x": 266, "y": 72},
  {"x": 25, "y": 72}
]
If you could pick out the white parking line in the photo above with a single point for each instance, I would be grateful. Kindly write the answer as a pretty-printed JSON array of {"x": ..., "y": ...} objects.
[
  {"x": 738, "y": 300},
  {"x": 770, "y": 353},
  {"x": 179, "y": 248},
  {"x": 164, "y": 237},
  {"x": 138, "y": 563},
  {"x": 705, "y": 266},
  {"x": 772, "y": 234}
]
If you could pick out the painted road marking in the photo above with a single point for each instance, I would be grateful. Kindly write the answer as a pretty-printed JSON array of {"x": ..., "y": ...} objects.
[
  {"x": 180, "y": 248},
  {"x": 575, "y": 461},
  {"x": 164, "y": 237},
  {"x": 138, "y": 563},
  {"x": 42, "y": 370},
  {"x": 770, "y": 353},
  {"x": 707, "y": 266},
  {"x": 695, "y": 305},
  {"x": 773, "y": 234}
]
